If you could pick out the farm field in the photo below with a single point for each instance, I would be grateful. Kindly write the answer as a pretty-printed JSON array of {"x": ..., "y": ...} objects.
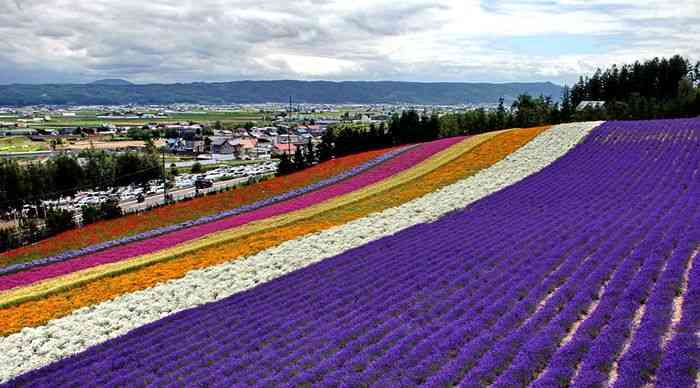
[
  {"x": 90, "y": 119},
  {"x": 549, "y": 256},
  {"x": 21, "y": 144}
]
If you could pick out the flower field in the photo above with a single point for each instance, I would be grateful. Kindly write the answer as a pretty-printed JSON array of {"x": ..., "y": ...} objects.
[
  {"x": 481, "y": 153},
  {"x": 180, "y": 235},
  {"x": 560, "y": 256},
  {"x": 72, "y": 243}
]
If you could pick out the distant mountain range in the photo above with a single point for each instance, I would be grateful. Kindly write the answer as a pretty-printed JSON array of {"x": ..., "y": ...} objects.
[
  {"x": 111, "y": 81},
  {"x": 115, "y": 91}
]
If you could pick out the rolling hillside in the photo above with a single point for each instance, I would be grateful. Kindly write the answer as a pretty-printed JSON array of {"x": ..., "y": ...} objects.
[{"x": 552, "y": 256}]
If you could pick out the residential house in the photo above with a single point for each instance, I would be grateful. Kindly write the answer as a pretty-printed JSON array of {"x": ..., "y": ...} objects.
[
  {"x": 223, "y": 145},
  {"x": 282, "y": 148},
  {"x": 590, "y": 104},
  {"x": 292, "y": 139},
  {"x": 188, "y": 143},
  {"x": 67, "y": 130},
  {"x": 316, "y": 129},
  {"x": 18, "y": 132}
]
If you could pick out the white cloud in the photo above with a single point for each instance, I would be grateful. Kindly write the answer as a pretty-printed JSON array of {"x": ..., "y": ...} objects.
[{"x": 214, "y": 40}]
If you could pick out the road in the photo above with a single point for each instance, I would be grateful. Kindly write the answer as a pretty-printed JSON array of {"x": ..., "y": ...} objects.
[
  {"x": 180, "y": 194},
  {"x": 29, "y": 154},
  {"x": 218, "y": 160}
]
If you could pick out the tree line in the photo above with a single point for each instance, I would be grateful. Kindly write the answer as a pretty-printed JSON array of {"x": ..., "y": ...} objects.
[
  {"x": 64, "y": 175},
  {"x": 408, "y": 127},
  {"x": 56, "y": 220},
  {"x": 61, "y": 176},
  {"x": 655, "y": 88},
  {"x": 304, "y": 156}
]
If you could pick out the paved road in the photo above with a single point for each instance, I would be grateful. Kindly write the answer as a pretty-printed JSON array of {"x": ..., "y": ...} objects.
[
  {"x": 30, "y": 154},
  {"x": 219, "y": 160},
  {"x": 180, "y": 194}
]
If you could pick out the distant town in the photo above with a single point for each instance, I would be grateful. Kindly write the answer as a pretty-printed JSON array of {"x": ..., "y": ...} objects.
[
  {"x": 217, "y": 132},
  {"x": 203, "y": 148}
]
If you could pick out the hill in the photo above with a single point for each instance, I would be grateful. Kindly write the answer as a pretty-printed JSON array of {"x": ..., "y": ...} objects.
[
  {"x": 367, "y": 92},
  {"x": 111, "y": 82},
  {"x": 551, "y": 256}
]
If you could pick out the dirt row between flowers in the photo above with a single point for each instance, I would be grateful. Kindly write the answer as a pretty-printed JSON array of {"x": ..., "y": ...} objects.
[{"x": 476, "y": 153}]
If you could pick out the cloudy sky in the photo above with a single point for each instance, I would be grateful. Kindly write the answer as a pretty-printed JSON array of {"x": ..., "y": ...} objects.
[{"x": 423, "y": 40}]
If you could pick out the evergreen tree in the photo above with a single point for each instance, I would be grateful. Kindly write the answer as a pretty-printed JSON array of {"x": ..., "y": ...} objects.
[
  {"x": 299, "y": 161},
  {"x": 285, "y": 165},
  {"x": 310, "y": 154},
  {"x": 326, "y": 149},
  {"x": 59, "y": 220},
  {"x": 67, "y": 174},
  {"x": 196, "y": 168},
  {"x": 90, "y": 214}
]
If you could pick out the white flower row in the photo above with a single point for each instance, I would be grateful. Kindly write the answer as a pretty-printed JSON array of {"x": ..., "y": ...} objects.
[{"x": 35, "y": 347}]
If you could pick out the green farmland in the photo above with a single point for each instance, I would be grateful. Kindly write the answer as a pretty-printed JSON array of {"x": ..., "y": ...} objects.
[
  {"x": 21, "y": 144},
  {"x": 90, "y": 119}
]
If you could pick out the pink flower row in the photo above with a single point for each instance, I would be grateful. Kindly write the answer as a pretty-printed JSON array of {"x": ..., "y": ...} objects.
[{"x": 376, "y": 174}]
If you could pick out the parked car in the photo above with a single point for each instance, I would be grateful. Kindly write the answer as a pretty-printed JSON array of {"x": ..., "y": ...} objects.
[{"x": 203, "y": 183}]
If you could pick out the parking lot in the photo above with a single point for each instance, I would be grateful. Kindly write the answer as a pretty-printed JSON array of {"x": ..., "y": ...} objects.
[{"x": 134, "y": 198}]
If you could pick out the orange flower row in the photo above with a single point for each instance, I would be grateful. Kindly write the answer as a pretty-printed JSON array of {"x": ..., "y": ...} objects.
[
  {"x": 184, "y": 211},
  {"x": 37, "y": 312}
]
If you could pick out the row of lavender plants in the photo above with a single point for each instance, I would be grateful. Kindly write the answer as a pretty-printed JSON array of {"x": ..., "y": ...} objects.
[
  {"x": 537, "y": 284},
  {"x": 203, "y": 220}
]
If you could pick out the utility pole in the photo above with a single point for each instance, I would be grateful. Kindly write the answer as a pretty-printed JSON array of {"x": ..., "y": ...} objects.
[
  {"x": 289, "y": 128},
  {"x": 165, "y": 185}
]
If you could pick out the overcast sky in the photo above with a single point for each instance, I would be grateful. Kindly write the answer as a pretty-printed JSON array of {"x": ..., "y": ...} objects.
[{"x": 424, "y": 40}]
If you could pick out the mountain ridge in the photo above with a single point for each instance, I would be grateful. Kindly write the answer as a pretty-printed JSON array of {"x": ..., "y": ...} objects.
[
  {"x": 111, "y": 81},
  {"x": 251, "y": 91}
]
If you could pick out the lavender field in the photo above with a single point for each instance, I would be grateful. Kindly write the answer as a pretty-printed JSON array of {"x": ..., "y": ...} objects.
[{"x": 583, "y": 274}]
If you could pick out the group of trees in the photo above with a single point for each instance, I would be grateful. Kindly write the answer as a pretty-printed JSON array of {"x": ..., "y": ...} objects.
[
  {"x": 343, "y": 140},
  {"x": 60, "y": 176},
  {"x": 408, "y": 127},
  {"x": 145, "y": 133},
  {"x": 525, "y": 111},
  {"x": 304, "y": 156},
  {"x": 656, "y": 88},
  {"x": 56, "y": 220},
  {"x": 64, "y": 175},
  {"x": 30, "y": 230},
  {"x": 412, "y": 127},
  {"x": 107, "y": 210}
]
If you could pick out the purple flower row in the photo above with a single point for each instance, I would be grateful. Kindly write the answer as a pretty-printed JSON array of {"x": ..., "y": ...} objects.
[
  {"x": 203, "y": 220},
  {"x": 679, "y": 365},
  {"x": 486, "y": 295}
]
